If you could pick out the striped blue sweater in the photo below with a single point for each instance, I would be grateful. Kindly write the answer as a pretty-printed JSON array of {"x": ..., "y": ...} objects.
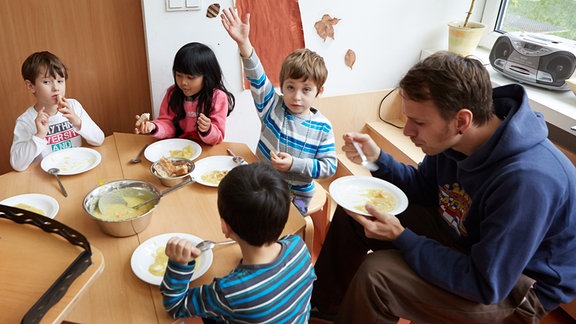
[
  {"x": 278, "y": 292},
  {"x": 309, "y": 140}
]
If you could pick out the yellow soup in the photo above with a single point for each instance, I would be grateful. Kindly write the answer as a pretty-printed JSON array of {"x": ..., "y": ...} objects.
[
  {"x": 119, "y": 211},
  {"x": 30, "y": 208},
  {"x": 186, "y": 152},
  {"x": 214, "y": 177},
  {"x": 380, "y": 198}
]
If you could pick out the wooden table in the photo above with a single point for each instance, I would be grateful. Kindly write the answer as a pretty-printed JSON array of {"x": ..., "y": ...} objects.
[{"x": 118, "y": 296}]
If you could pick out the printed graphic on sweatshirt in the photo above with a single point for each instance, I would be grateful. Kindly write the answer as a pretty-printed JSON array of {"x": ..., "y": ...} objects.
[
  {"x": 60, "y": 136},
  {"x": 454, "y": 205}
]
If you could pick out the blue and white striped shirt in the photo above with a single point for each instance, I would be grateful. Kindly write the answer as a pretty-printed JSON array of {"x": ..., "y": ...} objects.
[
  {"x": 277, "y": 292},
  {"x": 309, "y": 140}
]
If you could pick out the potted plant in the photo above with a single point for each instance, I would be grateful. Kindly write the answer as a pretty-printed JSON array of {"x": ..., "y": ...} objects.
[{"x": 464, "y": 36}]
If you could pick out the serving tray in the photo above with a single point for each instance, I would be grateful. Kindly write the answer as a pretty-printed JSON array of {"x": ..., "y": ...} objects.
[{"x": 41, "y": 260}]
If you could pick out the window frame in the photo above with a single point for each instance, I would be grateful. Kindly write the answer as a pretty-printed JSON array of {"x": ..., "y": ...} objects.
[{"x": 489, "y": 18}]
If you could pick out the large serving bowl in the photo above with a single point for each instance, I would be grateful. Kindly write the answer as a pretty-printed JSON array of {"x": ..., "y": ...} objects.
[
  {"x": 172, "y": 181},
  {"x": 133, "y": 191}
]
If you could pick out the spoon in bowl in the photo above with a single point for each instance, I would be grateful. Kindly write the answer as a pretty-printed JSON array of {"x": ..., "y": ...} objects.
[
  {"x": 236, "y": 158},
  {"x": 365, "y": 163},
  {"x": 54, "y": 172}
]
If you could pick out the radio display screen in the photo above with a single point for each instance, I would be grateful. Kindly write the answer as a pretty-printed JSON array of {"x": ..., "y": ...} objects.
[{"x": 529, "y": 61}]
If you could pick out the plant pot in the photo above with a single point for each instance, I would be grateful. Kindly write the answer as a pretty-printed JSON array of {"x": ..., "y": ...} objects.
[{"x": 464, "y": 40}]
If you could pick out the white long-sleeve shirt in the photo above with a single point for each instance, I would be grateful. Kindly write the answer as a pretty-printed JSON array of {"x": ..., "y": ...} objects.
[{"x": 28, "y": 148}]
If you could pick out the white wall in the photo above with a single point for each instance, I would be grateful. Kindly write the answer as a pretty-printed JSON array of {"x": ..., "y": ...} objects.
[{"x": 387, "y": 37}]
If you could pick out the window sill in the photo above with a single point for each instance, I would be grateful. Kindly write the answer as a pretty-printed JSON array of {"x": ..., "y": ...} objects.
[{"x": 558, "y": 107}]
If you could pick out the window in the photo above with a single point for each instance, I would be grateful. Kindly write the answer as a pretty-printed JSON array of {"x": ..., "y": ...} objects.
[{"x": 549, "y": 17}]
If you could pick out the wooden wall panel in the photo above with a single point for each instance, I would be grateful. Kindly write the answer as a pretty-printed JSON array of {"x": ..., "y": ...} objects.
[{"x": 101, "y": 42}]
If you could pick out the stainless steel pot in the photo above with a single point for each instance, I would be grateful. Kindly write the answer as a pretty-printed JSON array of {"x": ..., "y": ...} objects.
[{"x": 126, "y": 227}]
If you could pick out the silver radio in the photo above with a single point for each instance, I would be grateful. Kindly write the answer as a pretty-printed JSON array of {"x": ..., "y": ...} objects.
[{"x": 540, "y": 60}]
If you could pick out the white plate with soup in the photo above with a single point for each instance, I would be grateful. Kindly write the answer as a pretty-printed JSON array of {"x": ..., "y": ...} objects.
[
  {"x": 210, "y": 171},
  {"x": 36, "y": 203},
  {"x": 72, "y": 161},
  {"x": 149, "y": 260},
  {"x": 354, "y": 192},
  {"x": 172, "y": 147}
]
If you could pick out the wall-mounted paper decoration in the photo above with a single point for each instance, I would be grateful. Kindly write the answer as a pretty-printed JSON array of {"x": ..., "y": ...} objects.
[
  {"x": 350, "y": 58},
  {"x": 325, "y": 26},
  {"x": 213, "y": 10}
]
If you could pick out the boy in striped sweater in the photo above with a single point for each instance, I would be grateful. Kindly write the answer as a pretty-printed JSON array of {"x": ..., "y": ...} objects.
[
  {"x": 295, "y": 137},
  {"x": 272, "y": 283}
]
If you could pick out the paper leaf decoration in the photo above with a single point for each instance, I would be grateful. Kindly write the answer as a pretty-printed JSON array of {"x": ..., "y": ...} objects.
[
  {"x": 350, "y": 58},
  {"x": 213, "y": 10},
  {"x": 325, "y": 26}
]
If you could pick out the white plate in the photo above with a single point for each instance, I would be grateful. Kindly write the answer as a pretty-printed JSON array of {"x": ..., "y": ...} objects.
[
  {"x": 45, "y": 203},
  {"x": 212, "y": 163},
  {"x": 349, "y": 192},
  {"x": 162, "y": 148},
  {"x": 72, "y": 161},
  {"x": 144, "y": 256}
]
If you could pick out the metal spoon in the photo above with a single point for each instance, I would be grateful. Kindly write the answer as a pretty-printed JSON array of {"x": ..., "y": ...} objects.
[
  {"x": 55, "y": 171},
  {"x": 163, "y": 193},
  {"x": 138, "y": 158},
  {"x": 207, "y": 244},
  {"x": 365, "y": 163},
  {"x": 236, "y": 158}
]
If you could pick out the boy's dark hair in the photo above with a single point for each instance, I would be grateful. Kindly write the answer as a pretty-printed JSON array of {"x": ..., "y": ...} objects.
[
  {"x": 451, "y": 82},
  {"x": 254, "y": 200},
  {"x": 35, "y": 62},
  {"x": 197, "y": 59}
]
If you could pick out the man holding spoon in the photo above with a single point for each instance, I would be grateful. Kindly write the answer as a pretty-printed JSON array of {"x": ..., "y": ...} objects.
[{"x": 490, "y": 233}]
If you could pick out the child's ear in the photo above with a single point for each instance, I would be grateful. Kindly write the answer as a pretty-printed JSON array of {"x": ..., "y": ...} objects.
[
  {"x": 226, "y": 230},
  {"x": 30, "y": 86},
  {"x": 320, "y": 91}
]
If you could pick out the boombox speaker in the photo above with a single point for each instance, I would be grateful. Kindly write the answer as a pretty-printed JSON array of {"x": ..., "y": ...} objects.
[{"x": 538, "y": 60}]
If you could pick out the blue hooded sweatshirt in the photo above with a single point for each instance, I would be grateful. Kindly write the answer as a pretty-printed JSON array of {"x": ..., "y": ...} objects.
[{"x": 511, "y": 205}]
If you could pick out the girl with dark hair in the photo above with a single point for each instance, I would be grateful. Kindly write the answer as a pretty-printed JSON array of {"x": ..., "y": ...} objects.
[{"x": 197, "y": 105}]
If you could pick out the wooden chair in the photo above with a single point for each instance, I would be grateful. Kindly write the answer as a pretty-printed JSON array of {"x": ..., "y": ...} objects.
[{"x": 318, "y": 218}]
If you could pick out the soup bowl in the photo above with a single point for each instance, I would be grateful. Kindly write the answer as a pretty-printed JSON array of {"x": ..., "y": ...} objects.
[
  {"x": 172, "y": 181},
  {"x": 118, "y": 218}
]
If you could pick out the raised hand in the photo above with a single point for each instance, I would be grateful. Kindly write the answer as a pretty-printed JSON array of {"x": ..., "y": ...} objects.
[{"x": 238, "y": 30}]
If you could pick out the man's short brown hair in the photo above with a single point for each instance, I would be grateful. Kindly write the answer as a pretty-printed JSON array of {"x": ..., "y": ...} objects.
[{"x": 451, "y": 82}]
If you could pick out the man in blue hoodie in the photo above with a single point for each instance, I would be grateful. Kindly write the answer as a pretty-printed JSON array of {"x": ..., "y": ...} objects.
[{"x": 490, "y": 234}]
